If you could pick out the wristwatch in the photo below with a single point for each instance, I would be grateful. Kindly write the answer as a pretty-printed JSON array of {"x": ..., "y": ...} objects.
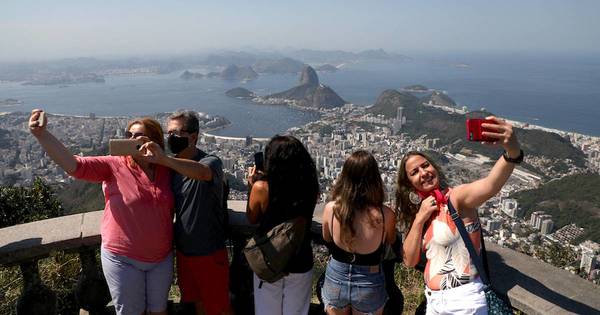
[{"x": 516, "y": 160}]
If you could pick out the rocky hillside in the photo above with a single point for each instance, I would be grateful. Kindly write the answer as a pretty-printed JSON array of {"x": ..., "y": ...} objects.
[
  {"x": 240, "y": 92},
  {"x": 233, "y": 72},
  {"x": 572, "y": 199},
  {"x": 439, "y": 98},
  {"x": 450, "y": 129},
  {"x": 308, "y": 93}
]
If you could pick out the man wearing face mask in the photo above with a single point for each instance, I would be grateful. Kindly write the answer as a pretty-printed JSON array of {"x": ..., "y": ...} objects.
[{"x": 197, "y": 184}]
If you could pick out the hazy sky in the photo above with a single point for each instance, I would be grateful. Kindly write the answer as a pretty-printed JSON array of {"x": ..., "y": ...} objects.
[{"x": 54, "y": 29}]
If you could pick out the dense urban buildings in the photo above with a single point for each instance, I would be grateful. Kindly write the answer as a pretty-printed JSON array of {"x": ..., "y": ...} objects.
[{"x": 330, "y": 140}]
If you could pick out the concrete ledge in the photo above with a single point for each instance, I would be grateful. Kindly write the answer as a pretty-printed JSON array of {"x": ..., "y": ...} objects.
[
  {"x": 535, "y": 287},
  {"x": 37, "y": 239},
  {"x": 90, "y": 228},
  {"x": 532, "y": 286}
]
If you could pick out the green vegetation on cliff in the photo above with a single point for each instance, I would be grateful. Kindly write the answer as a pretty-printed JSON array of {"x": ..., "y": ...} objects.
[
  {"x": 26, "y": 204},
  {"x": 389, "y": 100},
  {"x": 240, "y": 92},
  {"x": 450, "y": 129},
  {"x": 81, "y": 196},
  {"x": 439, "y": 98},
  {"x": 572, "y": 199}
]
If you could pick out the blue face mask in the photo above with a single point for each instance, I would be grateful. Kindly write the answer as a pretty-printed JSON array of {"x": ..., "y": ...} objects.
[{"x": 177, "y": 143}]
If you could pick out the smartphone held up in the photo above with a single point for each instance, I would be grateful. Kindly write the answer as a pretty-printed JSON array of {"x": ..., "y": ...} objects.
[
  {"x": 259, "y": 161},
  {"x": 40, "y": 120},
  {"x": 124, "y": 147},
  {"x": 475, "y": 129}
]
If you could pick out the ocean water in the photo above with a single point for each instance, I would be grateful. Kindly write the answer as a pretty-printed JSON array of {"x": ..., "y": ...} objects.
[{"x": 561, "y": 92}]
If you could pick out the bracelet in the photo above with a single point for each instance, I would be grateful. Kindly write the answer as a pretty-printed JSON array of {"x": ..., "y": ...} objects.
[{"x": 516, "y": 160}]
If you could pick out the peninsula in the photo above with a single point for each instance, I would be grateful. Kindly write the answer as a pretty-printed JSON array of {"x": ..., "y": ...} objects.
[{"x": 309, "y": 93}]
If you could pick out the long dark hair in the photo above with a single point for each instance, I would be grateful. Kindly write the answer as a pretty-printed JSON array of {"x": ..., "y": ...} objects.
[
  {"x": 407, "y": 210},
  {"x": 358, "y": 188},
  {"x": 292, "y": 177}
]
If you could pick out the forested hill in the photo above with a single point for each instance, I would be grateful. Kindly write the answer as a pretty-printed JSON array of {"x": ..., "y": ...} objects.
[
  {"x": 450, "y": 129},
  {"x": 572, "y": 199}
]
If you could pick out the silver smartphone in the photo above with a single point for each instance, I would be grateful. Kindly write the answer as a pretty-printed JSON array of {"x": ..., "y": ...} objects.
[
  {"x": 122, "y": 147},
  {"x": 40, "y": 119}
]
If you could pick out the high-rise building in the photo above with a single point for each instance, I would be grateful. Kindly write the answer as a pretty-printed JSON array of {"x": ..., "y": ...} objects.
[
  {"x": 396, "y": 126},
  {"x": 493, "y": 225},
  {"x": 534, "y": 216},
  {"x": 588, "y": 261},
  {"x": 510, "y": 207},
  {"x": 540, "y": 219},
  {"x": 399, "y": 113},
  {"x": 248, "y": 141},
  {"x": 589, "y": 258},
  {"x": 228, "y": 163},
  {"x": 547, "y": 226}
]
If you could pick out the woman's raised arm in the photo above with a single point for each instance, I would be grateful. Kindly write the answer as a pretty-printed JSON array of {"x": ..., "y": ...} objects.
[
  {"x": 53, "y": 147},
  {"x": 473, "y": 195}
]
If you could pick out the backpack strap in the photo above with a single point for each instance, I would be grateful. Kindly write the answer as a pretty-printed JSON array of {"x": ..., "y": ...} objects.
[
  {"x": 383, "y": 227},
  {"x": 331, "y": 229},
  {"x": 460, "y": 225}
]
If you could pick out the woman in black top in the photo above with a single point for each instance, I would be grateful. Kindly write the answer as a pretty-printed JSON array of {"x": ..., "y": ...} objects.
[
  {"x": 357, "y": 225},
  {"x": 286, "y": 189}
]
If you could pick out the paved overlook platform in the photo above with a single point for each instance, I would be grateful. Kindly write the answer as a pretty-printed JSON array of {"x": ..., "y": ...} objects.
[{"x": 532, "y": 286}]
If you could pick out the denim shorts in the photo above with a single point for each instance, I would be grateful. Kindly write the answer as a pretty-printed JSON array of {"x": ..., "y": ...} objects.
[{"x": 353, "y": 285}]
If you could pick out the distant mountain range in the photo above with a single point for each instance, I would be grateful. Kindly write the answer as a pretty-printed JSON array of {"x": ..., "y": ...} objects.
[
  {"x": 333, "y": 56},
  {"x": 283, "y": 65},
  {"x": 326, "y": 68},
  {"x": 232, "y": 72},
  {"x": 261, "y": 62}
]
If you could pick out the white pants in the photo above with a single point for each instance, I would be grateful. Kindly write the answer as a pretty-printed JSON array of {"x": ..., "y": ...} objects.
[
  {"x": 465, "y": 299},
  {"x": 288, "y": 296}
]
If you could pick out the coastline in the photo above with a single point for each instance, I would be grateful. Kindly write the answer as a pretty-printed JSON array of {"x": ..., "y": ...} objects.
[{"x": 516, "y": 123}]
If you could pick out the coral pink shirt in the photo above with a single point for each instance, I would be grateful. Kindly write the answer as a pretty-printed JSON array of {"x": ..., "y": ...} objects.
[{"x": 138, "y": 216}]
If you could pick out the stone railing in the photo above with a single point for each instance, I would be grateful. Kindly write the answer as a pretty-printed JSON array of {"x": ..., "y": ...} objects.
[{"x": 532, "y": 287}]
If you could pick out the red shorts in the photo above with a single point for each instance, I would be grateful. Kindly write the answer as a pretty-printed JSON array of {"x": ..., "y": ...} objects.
[{"x": 205, "y": 279}]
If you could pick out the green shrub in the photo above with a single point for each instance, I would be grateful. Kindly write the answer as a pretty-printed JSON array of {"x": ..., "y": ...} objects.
[{"x": 26, "y": 204}]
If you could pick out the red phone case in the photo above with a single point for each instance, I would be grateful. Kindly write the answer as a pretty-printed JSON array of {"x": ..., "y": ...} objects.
[{"x": 474, "y": 130}]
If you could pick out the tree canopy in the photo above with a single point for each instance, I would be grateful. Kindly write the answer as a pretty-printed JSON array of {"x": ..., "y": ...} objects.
[{"x": 26, "y": 204}]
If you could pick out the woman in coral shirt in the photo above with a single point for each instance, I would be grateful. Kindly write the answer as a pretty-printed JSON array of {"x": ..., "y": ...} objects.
[{"x": 137, "y": 229}]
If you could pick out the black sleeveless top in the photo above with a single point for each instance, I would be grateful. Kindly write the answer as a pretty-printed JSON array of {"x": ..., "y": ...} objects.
[{"x": 371, "y": 259}]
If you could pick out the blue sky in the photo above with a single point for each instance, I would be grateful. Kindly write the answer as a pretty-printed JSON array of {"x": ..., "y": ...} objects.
[{"x": 55, "y": 29}]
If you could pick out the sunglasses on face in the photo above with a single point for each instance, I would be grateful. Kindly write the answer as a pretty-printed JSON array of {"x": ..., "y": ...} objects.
[
  {"x": 176, "y": 132},
  {"x": 129, "y": 134}
]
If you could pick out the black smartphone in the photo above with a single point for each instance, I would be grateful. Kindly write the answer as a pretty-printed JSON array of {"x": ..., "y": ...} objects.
[{"x": 259, "y": 161}]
